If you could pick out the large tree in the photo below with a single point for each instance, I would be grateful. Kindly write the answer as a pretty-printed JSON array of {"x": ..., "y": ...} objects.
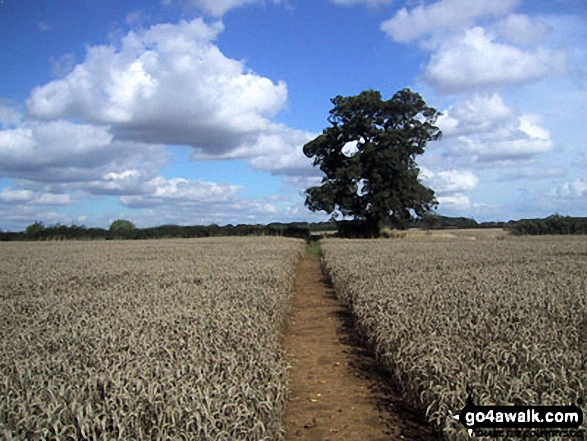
[{"x": 368, "y": 155}]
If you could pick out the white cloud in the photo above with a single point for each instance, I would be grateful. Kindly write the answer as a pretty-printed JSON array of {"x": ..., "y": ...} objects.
[
  {"x": 280, "y": 151},
  {"x": 58, "y": 160},
  {"x": 218, "y": 8},
  {"x": 88, "y": 162},
  {"x": 137, "y": 18},
  {"x": 53, "y": 199},
  {"x": 480, "y": 113},
  {"x": 19, "y": 217},
  {"x": 520, "y": 29},
  {"x": 9, "y": 115},
  {"x": 29, "y": 197},
  {"x": 249, "y": 211},
  {"x": 475, "y": 61},
  {"x": 9, "y": 195},
  {"x": 451, "y": 181},
  {"x": 191, "y": 202},
  {"x": 120, "y": 183},
  {"x": 168, "y": 84},
  {"x": 481, "y": 45},
  {"x": 534, "y": 173},
  {"x": 179, "y": 191},
  {"x": 64, "y": 152},
  {"x": 484, "y": 130},
  {"x": 425, "y": 20},
  {"x": 570, "y": 190},
  {"x": 370, "y": 3},
  {"x": 450, "y": 187},
  {"x": 35, "y": 145},
  {"x": 188, "y": 190},
  {"x": 455, "y": 202},
  {"x": 63, "y": 65},
  {"x": 301, "y": 183},
  {"x": 277, "y": 150}
]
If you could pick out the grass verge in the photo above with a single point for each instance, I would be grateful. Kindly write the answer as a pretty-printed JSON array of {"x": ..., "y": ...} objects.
[{"x": 313, "y": 249}]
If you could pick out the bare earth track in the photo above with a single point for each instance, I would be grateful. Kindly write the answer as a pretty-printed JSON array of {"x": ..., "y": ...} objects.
[{"x": 337, "y": 391}]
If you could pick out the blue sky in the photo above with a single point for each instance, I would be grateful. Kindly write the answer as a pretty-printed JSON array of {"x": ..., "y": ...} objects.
[{"x": 196, "y": 111}]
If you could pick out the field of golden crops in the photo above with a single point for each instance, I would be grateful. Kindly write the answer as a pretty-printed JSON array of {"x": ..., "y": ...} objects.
[
  {"x": 507, "y": 317},
  {"x": 175, "y": 339}
]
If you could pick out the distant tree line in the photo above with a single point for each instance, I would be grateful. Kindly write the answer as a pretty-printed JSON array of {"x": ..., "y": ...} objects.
[
  {"x": 125, "y": 230},
  {"x": 555, "y": 224}
]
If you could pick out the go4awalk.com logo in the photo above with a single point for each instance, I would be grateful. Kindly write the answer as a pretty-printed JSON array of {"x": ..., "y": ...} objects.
[{"x": 518, "y": 418}]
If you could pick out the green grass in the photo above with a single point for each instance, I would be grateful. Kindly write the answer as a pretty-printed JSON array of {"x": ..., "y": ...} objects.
[{"x": 313, "y": 249}]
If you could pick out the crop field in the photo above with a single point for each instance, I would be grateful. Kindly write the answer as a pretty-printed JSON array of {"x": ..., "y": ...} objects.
[
  {"x": 174, "y": 339},
  {"x": 507, "y": 317}
]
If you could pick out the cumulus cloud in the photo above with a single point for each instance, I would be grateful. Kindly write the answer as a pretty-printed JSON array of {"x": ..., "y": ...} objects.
[
  {"x": 62, "y": 151},
  {"x": 301, "y": 183},
  {"x": 522, "y": 30},
  {"x": 277, "y": 150},
  {"x": 9, "y": 115},
  {"x": 167, "y": 84},
  {"x": 63, "y": 65},
  {"x": 57, "y": 163},
  {"x": 58, "y": 158},
  {"x": 478, "y": 45},
  {"x": 476, "y": 61},
  {"x": 481, "y": 113},
  {"x": 425, "y": 20},
  {"x": 451, "y": 181},
  {"x": 189, "y": 202},
  {"x": 534, "y": 173},
  {"x": 170, "y": 84},
  {"x": 456, "y": 202},
  {"x": 17, "y": 219},
  {"x": 180, "y": 191},
  {"x": 242, "y": 210},
  {"x": 486, "y": 131},
  {"x": 450, "y": 187},
  {"x": 370, "y": 3},
  {"x": 218, "y": 8},
  {"x": 131, "y": 181},
  {"x": 574, "y": 190},
  {"x": 23, "y": 196}
]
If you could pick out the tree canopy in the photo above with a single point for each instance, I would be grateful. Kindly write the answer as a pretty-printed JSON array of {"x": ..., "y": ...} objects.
[
  {"x": 121, "y": 225},
  {"x": 368, "y": 156},
  {"x": 34, "y": 228}
]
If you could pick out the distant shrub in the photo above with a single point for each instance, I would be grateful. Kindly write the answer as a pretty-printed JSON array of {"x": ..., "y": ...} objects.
[
  {"x": 35, "y": 228},
  {"x": 121, "y": 225}
]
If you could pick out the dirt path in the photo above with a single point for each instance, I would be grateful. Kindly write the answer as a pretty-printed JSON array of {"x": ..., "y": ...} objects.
[{"x": 337, "y": 391}]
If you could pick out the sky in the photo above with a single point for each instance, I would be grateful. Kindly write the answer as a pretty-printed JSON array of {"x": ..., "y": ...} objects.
[{"x": 194, "y": 112}]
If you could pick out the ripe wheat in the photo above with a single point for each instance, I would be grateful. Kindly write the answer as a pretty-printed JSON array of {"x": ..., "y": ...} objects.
[
  {"x": 144, "y": 340},
  {"x": 508, "y": 318}
]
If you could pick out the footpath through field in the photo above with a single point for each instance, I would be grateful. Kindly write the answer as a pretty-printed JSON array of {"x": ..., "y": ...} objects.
[{"x": 337, "y": 392}]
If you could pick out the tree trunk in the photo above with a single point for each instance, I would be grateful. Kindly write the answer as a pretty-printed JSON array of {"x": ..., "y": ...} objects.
[{"x": 371, "y": 227}]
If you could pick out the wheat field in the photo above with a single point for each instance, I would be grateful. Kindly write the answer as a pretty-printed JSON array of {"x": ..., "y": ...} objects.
[
  {"x": 174, "y": 339},
  {"x": 506, "y": 317}
]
